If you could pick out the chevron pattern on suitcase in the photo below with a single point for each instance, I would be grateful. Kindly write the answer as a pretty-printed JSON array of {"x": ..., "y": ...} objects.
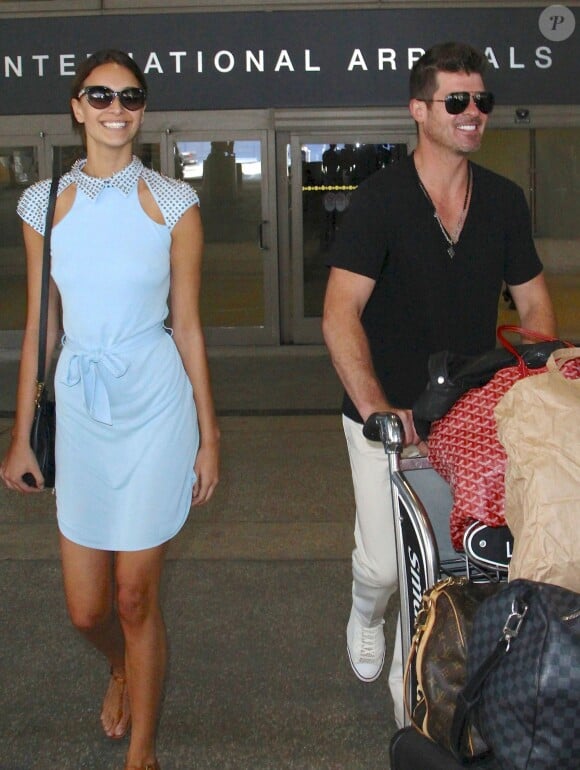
[{"x": 465, "y": 450}]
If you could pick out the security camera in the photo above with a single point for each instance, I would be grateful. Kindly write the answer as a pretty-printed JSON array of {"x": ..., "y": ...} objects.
[{"x": 522, "y": 115}]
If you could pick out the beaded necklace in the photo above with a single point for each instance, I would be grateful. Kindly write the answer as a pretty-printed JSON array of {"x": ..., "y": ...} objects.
[{"x": 451, "y": 238}]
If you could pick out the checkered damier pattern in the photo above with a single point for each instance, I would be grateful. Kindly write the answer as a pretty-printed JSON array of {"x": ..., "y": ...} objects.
[{"x": 530, "y": 708}]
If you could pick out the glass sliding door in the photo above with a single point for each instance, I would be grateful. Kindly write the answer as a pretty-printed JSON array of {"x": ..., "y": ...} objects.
[
  {"x": 322, "y": 176},
  {"x": 229, "y": 173},
  {"x": 544, "y": 162},
  {"x": 18, "y": 170}
]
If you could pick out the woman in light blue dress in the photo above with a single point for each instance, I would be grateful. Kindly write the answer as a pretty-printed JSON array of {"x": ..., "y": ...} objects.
[{"x": 137, "y": 437}]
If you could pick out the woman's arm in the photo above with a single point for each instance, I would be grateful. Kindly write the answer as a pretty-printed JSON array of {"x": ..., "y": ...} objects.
[
  {"x": 186, "y": 259},
  {"x": 20, "y": 458}
]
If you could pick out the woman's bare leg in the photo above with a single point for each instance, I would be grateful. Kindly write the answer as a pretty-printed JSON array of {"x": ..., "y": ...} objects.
[
  {"x": 138, "y": 575},
  {"x": 88, "y": 585}
]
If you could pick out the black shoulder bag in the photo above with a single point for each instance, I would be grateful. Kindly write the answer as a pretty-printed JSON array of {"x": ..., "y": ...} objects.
[{"x": 43, "y": 429}]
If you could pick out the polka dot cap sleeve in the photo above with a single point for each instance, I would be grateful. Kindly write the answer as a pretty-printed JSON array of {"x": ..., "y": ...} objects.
[
  {"x": 173, "y": 196},
  {"x": 33, "y": 202}
]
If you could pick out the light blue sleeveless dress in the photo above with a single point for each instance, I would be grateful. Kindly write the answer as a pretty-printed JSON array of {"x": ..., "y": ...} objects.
[{"x": 127, "y": 432}]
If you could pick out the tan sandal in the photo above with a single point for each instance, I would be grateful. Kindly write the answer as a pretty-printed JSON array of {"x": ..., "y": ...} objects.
[
  {"x": 154, "y": 766},
  {"x": 119, "y": 682}
]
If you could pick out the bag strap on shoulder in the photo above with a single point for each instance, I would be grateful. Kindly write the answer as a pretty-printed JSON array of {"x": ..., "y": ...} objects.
[{"x": 43, "y": 323}]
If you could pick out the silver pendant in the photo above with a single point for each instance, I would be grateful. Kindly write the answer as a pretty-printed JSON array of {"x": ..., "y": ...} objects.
[{"x": 451, "y": 251}]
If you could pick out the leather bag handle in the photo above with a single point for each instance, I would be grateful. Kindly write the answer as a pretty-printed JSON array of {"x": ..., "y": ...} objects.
[{"x": 539, "y": 336}]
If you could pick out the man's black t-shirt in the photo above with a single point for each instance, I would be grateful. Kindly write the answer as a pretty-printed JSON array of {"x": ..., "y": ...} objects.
[{"x": 424, "y": 301}]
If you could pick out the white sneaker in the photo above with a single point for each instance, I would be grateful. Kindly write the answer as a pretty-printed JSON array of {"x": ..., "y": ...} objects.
[{"x": 366, "y": 649}]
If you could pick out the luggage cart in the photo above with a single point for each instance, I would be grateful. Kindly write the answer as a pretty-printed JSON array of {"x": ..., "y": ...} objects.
[{"x": 424, "y": 555}]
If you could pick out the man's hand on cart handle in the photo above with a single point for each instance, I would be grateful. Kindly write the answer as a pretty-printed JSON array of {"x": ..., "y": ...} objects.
[{"x": 410, "y": 436}]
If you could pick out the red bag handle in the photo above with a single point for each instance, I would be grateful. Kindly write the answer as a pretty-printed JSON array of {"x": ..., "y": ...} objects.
[{"x": 524, "y": 333}]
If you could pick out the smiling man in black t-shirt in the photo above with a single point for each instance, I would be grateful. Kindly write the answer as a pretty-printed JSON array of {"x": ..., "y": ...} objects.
[{"x": 417, "y": 267}]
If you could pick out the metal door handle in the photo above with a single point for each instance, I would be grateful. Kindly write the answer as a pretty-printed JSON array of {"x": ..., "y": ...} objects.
[{"x": 261, "y": 235}]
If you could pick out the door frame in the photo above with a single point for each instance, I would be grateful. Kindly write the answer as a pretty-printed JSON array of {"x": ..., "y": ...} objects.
[
  {"x": 11, "y": 339},
  {"x": 301, "y": 329},
  {"x": 201, "y": 125},
  {"x": 266, "y": 233}
]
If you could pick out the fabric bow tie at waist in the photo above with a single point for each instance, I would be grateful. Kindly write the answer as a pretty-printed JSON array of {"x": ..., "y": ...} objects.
[{"x": 87, "y": 367}]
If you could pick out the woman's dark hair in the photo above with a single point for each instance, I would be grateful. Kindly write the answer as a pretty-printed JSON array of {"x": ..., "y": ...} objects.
[
  {"x": 106, "y": 56},
  {"x": 445, "y": 57}
]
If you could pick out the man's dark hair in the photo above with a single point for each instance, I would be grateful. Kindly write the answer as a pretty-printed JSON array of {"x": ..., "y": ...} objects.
[{"x": 444, "y": 57}]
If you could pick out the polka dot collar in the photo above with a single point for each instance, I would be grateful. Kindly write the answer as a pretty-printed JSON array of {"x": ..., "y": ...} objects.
[{"x": 123, "y": 180}]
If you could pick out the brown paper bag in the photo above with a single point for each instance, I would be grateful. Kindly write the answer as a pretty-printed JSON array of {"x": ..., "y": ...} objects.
[{"x": 538, "y": 422}]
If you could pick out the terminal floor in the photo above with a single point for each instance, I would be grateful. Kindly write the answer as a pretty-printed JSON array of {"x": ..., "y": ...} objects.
[{"x": 256, "y": 594}]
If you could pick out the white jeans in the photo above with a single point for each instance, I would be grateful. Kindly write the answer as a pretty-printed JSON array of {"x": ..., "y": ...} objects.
[{"x": 374, "y": 559}]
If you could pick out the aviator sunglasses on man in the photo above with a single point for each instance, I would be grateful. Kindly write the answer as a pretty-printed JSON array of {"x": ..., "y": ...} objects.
[
  {"x": 458, "y": 101},
  {"x": 99, "y": 97}
]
